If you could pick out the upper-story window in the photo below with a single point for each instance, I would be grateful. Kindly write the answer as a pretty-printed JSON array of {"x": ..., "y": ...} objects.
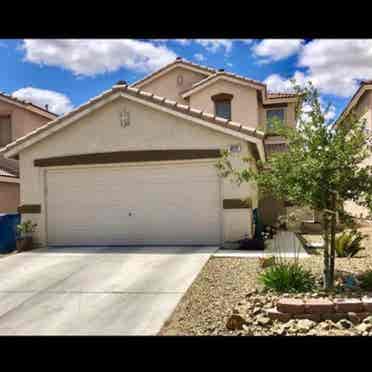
[
  {"x": 272, "y": 115},
  {"x": 5, "y": 131},
  {"x": 222, "y": 105}
]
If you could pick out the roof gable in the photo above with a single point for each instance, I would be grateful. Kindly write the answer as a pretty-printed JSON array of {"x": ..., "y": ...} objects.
[
  {"x": 159, "y": 103},
  {"x": 177, "y": 63}
]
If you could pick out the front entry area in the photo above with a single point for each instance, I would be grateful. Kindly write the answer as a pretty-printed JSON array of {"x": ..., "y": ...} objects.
[{"x": 137, "y": 204}]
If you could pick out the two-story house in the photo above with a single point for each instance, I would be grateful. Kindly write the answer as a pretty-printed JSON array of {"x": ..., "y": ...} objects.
[
  {"x": 360, "y": 105},
  {"x": 136, "y": 164},
  {"x": 17, "y": 118}
]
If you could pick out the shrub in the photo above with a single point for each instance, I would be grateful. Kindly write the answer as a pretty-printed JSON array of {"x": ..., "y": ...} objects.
[
  {"x": 348, "y": 244},
  {"x": 287, "y": 277},
  {"x": 366, "y": 280}
]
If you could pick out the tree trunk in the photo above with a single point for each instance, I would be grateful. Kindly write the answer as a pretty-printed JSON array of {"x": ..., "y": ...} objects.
[
  {"x": 333, "y": 241},
  {"x": 326, "y": 271}
]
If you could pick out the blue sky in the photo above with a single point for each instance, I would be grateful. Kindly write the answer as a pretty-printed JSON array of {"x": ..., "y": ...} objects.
[{"x": 66, "y": 73}]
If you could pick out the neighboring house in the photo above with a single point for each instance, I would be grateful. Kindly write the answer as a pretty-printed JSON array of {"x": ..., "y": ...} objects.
[
  {"x": 17, "y": 118},
  {"x": 136, "y": 165},
  {"x": 360, "y": 105}
]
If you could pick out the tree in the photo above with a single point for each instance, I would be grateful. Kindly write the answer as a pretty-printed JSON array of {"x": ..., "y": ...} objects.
[{"x": 321, "y": 168}]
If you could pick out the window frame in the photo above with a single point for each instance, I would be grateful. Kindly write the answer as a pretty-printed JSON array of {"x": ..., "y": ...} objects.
[
  {"x": 223, "y": 98},
  {"x": 283, "y": 108}
]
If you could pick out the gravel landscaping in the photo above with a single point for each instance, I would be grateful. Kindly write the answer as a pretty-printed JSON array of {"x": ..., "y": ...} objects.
[{"x": 226, "y": 299}]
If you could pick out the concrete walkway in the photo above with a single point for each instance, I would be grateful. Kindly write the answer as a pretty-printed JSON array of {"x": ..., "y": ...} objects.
[{"x": 95, "y": 291}]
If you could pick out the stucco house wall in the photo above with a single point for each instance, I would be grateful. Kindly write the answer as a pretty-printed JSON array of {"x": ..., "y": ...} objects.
[
  {"x": 100, "y": 131},
  {"x": 9, "y": 197},
  {"x": 244, "y": 105},
  {"x": 168, "y": 86}
]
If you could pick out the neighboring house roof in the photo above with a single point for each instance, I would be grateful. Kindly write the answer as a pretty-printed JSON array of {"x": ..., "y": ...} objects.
[
  {"x": 203, "y": 118},
  {"x": 363, "y": 87},
  {"x": 211, "y": 76},
  {"x": 27, "y": 105}
]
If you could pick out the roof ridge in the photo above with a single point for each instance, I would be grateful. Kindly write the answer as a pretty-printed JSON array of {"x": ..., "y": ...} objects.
[{"x": 162, "y": 101}]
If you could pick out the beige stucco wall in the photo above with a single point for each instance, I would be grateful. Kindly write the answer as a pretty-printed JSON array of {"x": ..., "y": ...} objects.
[
  {"x": 23, "y": 121},
  {"x": 100, "y": 131},
  {"x": 244, "y": 105},
  {"x": 289, "y": 115},
  {"x": 9, "y": 197},
  {"x": 167, "y": 86},
  {"x": 363, "y": 109}
]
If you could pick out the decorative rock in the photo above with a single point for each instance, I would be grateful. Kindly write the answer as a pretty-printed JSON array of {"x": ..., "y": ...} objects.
[
  {"x": 333, "y": 316},
  {"x": 344, "y": 324},
  {"x": 305, "y": 325},
  {"x": 353, "y": 317},
  {"x": 235, "y": 322},
  {"x": 367, "y": 304},
  {"x": 348, "y": 305},
  {"x": 319, "y": 305},
  {"x": 263, "y": 321},
  {"x": 363, "y": 327},
  {"x": 291, "y": 305},
  {"x": 368, "y": 320},
  {"x": 274, "y": 314},
  {"x": 314, "y": 316}
]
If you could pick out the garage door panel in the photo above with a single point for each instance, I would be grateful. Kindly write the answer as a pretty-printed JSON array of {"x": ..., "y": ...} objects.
[{"x": 163, "y": 204}]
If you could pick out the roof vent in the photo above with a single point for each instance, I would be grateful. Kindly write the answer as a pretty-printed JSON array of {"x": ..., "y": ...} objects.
[
  {"x": 46, "y": 107},
  {"x": 178, "y": 58},
  {"x": 121, "y": 82},
  {"x": 221, "y": 69}
]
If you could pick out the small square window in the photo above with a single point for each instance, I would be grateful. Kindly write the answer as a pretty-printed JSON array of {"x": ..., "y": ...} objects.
[{"x": 274, "y": 114}]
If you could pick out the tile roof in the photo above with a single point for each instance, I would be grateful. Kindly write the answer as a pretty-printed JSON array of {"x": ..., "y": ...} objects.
[
  {"x": 280, "y": 95},
  {"x": 161, "y": 101},
  {"x": 27, "y": 104}
]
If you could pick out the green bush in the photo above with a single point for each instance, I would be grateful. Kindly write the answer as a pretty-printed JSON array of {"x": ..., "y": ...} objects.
[
  {"x": 287, "y": 277},
  {"x": 348, "y": 244},
  {"x": 366, "y": 280}
]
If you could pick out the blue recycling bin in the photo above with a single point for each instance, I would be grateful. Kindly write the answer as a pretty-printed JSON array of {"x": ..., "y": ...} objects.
[{"x": 8, "y": 231}]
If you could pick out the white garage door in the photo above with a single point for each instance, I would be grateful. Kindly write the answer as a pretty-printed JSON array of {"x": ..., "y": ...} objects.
[{"x": 163, "y": 204}]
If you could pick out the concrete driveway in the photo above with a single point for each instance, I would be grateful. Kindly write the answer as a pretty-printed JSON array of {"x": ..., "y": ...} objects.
[{"x": 95, "y": 291}]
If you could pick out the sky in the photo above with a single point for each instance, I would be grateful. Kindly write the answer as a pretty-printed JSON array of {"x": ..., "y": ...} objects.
[{"x": 65, "y": 73}]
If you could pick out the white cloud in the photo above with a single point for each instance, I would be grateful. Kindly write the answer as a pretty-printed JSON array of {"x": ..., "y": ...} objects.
[
  {"x": 183, "y": 41},
  {"x": 90, "y": 57},
  {"x": 199, "y": 57},
  {"x": 215, "y": 45},
  {"x": 277, "y": 83},
  {"x": 57, "y": 102},
  {"x": 334, "y": 66},
  {"x": 276, "y": 49}
]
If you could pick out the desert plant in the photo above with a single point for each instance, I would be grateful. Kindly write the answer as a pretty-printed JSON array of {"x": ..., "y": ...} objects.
[
  {"x": 26, "y": 228},
  {"x": 287, "y": 277},
  {"x": 366, "y": 280},
  {"x": 348, "y": 244}
]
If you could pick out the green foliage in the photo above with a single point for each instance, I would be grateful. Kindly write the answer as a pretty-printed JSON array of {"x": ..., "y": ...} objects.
[
  {"x": 287, "y": 277},
  {"x": 322, "y": 168},
  {"x": 348, "y": 244},
  {"x": 366, "y": 280},
  {"x": 26, "y": 228}
]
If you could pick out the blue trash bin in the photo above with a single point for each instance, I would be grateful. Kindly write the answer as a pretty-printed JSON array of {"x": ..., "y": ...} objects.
[{"x": 8, "y": 231}]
